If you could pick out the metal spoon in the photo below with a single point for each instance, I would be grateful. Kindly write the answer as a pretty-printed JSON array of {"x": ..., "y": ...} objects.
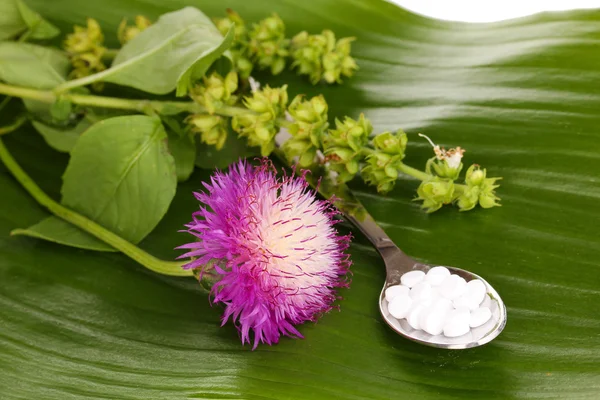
[{"x": 397, "y": 263}]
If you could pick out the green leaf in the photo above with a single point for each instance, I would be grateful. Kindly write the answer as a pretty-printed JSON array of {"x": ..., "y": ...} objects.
[
  {"x": 39, "y": 28},
  {"x": 30, "y": 65},
  {"x": 121, "y": 175},
  {"x": 186, "y": 38},
  {"x": 16, "y": 17},
  {"x": 235, "y": 148},
  {"x": 56, "y": 230},
  {"x": 521, "y": 96},
  {"x": 199, "y": 68},
  {"x": 61, "y": 139}
]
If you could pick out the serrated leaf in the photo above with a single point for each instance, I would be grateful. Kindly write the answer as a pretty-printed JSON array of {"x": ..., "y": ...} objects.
[
  {"x": 186, "y": 38},
  {"x": 121, "y": 175}
]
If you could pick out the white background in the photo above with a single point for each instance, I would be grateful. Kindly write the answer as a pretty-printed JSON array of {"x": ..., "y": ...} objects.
[{"x": 489, "y": 10}]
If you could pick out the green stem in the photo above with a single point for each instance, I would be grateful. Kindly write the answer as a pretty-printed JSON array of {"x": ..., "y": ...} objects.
[
  {"x": 420, "y": 175},
  {"x": 158, "y": 106},
  {"x": 423, "y": 176},
  {"x": 5, "y": 102},
  {"x": 20, "y": 120},
  {"x": 110, "y": 54},
  {"x": 147, "y": 260}
]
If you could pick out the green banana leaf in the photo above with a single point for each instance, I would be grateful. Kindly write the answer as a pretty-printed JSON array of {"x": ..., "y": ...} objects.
[{"x": 522, "y": 96}]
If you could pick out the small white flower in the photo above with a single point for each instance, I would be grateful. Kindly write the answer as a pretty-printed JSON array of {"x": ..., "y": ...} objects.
[{"x": 453, "y": 157}]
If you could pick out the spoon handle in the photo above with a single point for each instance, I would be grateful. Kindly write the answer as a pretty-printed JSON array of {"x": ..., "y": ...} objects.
[{"x": 356, "y": 213}]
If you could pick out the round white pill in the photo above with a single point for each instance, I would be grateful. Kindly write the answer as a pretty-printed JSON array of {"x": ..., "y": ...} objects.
[
  {"x": 455, "y": 328},
  {"x": 443, "y": 303},
  {"x": 436, "y": 275},
  {"x": 462, "y": 314},
  {"x": 476, "y": 291},
  {"x": 433, "y": 320},
  {"x": 400, "y": 306},
  {"x": 453, "y": 287},
  {"x": 434, "y": 317},
  {"x": 415, "y": 313},
  {"x": 465, "y": 301},
  {"x": 411, "y": 278},
  {"x": 480, "y": 317},
  {"x": 421, "y": 291},
  {"x": 394, "y": 291}
]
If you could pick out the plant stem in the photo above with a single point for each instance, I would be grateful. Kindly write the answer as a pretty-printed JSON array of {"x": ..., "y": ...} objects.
[
  {"x": 158, "y": 106},
  {"x": 420, "y": 175},
  {"x": 110, "y": 54},
  {"x": 147, "y": 260},
  {"x": 20, "y": 120}
]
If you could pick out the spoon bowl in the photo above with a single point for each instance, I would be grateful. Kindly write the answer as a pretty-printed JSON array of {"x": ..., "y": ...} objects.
[
  {"x": 475, "y": 337},
  {"x": 397, "y": 264}
]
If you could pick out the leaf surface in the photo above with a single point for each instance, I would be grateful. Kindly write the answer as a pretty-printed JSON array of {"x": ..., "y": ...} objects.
[{"x": 521, "y": 96}]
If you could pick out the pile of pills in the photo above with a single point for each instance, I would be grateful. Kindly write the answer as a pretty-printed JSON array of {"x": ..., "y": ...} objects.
[{"x": 438, "y": 302}]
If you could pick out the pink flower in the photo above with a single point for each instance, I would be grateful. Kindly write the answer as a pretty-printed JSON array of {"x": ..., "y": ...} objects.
[{"x": 279, "y": 257}]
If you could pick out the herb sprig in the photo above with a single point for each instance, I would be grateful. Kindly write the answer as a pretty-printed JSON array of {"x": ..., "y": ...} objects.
[{"x": 121, "y": 155}]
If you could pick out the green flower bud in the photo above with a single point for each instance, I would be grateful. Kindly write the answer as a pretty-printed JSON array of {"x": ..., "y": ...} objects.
[
  {"x": 310, "y": 122},
  {"x": 239, "y": 49},
  {"x": 475, "y": 176},
  {"x": 343, "y": 175},
  {"x": 224, "y": 24},
  {"x": 488, "y": 200},
  {"x": 261, "y": 125},
  {"x": 271, "y": 101},
  {"x": 88, "y": 63},
  {"x": 311, "y": 111},
  {"x": 267, "y": 44},
  {"x": 480, "y": 189},
  {"x": 242, "y": 64},
  {"x": 435, "y": 193},
  {"x": 212, "y": 128},
  {"x": 301, "y": 148},
  {"x": 125, "y": 32},
  {"x": 469, "y": 199},
  {"x": 215, "y": 91},
  {"x": 343, "y": 146},
  {"x": 321, "y": 58},
  {"x": 350, "y": 133},
  {"x": 382, "y": 167},
  {"x": 86, "y": 39},
  {"x": 85, "y": 50},
  {"x": 391, "y": 143},
  {"x": 383, "y": 178}
]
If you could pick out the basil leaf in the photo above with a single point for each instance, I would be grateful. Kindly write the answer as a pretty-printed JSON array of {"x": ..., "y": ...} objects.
[
  {"x": 121, "y": 175},
  {"x": 171, "y": 53}
]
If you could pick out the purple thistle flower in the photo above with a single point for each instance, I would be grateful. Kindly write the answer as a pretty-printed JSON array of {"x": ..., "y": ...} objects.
[{"x": 278, "y": 257}]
